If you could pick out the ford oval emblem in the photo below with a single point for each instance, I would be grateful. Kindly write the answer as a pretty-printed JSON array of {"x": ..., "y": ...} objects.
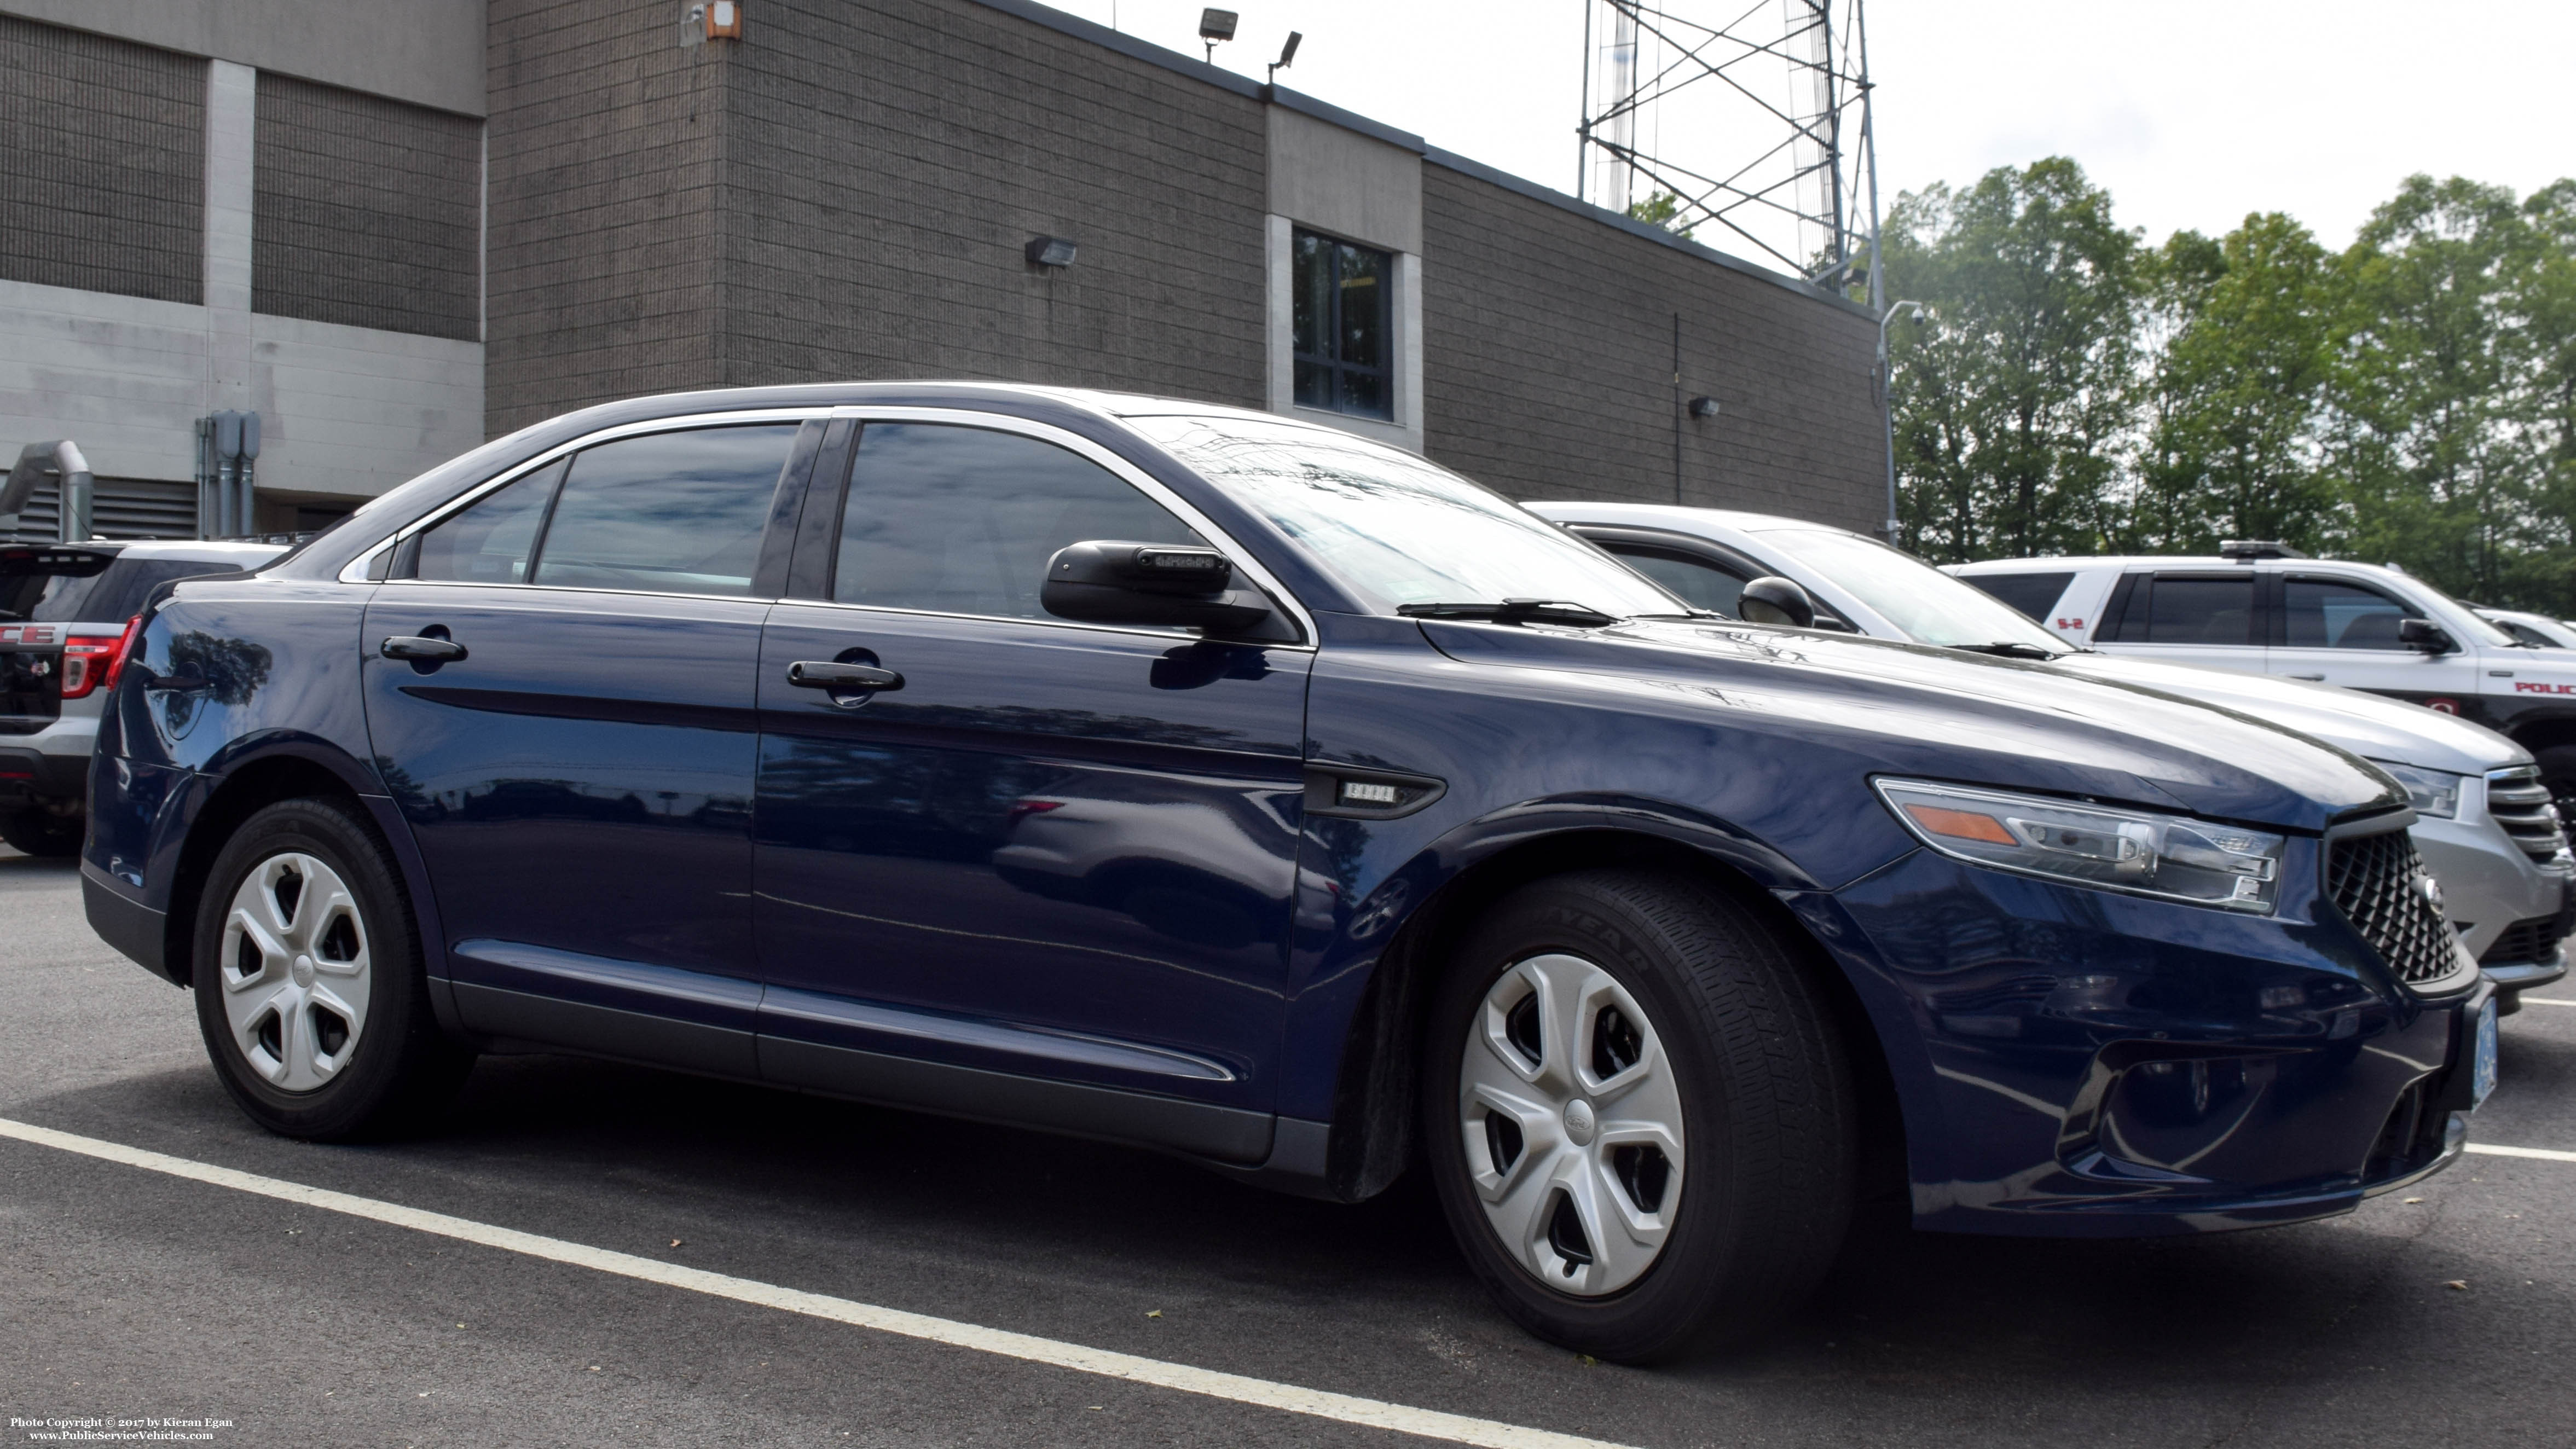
[{"x": 2430, "y": 889}]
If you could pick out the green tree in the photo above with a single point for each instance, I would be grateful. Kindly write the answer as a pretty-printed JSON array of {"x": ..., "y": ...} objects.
[
  {"x": 2016, "y": 399},
  {"x": 2423, "y": 436},
  {"x": 1663, "y": 209},
  {"x": 2241, "y": 332},
  {"x": 2544, "y": 576}
]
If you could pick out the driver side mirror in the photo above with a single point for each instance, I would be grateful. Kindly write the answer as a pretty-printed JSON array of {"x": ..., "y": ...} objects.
[
  {"x": 2425, "y": 635},
  {"x": 1153, "y": 584},
  {"x": 1772, "y": 599}
]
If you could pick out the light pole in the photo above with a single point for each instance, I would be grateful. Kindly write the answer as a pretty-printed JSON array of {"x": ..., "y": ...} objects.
[{"x": 1887, "y": 406}]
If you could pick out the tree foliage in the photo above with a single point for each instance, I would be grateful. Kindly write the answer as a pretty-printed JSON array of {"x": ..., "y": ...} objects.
[{"x": 2411, "y": 399}]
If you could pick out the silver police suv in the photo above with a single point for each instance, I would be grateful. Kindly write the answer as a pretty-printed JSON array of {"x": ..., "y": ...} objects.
[
  {"x": 2484, "y": 823},
  {"x": 64, "y": 609}
]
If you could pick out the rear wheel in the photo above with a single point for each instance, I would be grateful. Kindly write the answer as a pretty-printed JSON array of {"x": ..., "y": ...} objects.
[
  {"x": 1639, "y": 1118},
  {"x": 39, "y": 831},
  {"x": 310, "y": 992}
]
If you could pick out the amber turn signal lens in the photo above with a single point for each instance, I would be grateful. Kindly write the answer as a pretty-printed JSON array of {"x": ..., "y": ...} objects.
[{"x": 1961, "y": 824}]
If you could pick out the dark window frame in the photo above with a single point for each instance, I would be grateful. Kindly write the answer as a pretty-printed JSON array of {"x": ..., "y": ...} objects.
[{"x": 1330, "y": 360}]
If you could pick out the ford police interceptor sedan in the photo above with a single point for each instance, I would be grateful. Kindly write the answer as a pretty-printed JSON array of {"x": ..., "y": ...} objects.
[{"x": 1236, "y": 787}]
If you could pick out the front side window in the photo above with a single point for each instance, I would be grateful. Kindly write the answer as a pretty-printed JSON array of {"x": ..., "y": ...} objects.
[
  {"x": 1399, "y": 529},
  {"x": 961, "y": 520},
  {"x": 2034, "y": 596},
  {"x": 1695, "y": 581},
  {"x": 2322, "y": 614},
  {"x": 1344, "y": 319}
]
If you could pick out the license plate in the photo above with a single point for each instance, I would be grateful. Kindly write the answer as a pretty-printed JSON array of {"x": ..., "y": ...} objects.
[{"x": 2482, "y": 1066}]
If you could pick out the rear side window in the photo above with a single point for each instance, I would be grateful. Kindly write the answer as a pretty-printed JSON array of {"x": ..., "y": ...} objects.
[
  {"x": 2034, "y": 595},
  {"x": 2320, "y": 614},
  {"x": 677, "y": 513},
  {"x": 1699, "y": 583},
  {"x": 2184, "y": 609},
  {"x": 960, "y": 520},
  {"x": 117, "y": 595},
  {"x": 491, "y": 542}
]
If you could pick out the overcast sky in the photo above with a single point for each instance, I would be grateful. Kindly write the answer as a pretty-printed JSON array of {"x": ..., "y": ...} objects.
[{"x": 2192, "y": 112}]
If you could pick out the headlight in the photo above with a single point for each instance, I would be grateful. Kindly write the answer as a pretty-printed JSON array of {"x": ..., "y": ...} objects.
[
  {"x": 2434, "y": 792},
  {"x": 2171, "y": 857}
]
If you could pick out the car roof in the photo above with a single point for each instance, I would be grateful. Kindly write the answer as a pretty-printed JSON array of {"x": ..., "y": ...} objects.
[
  {"x": 1676, "y": 516},
  {"x": 197, "y": 550},
  {"x": 2159, "y": 561}
]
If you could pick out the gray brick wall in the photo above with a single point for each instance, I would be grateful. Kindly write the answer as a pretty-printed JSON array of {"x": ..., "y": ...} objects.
[
  {"x": 104, "y": 185},
  {"x": 604, "y": 243},
  {"x": 365, "y": 211},
  {"x": 885, "y": 162},
  {"x": 1548, "y": 367}
]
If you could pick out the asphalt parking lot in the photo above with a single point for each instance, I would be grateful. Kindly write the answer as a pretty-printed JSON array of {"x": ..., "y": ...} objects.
[{"x": 127, "y": 1292}]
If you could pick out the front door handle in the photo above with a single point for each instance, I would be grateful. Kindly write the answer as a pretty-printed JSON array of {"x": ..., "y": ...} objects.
[
  {"x": 2311, "y": 678},
  {"x": 420, "y": 648},
  {"x": 841, "y": 678}
]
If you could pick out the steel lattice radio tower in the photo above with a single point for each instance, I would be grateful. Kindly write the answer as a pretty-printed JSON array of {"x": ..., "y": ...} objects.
[{"x": 1755, "y": 120}]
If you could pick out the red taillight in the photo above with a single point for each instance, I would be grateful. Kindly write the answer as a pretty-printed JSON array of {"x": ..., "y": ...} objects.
[{"x": 91, "y": 662}]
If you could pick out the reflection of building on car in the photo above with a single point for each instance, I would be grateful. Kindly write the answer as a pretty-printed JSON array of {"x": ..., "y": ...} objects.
[
  {"x": 2483, "y": 823},
  {"x": 1252, "y": 791},
  {"x": 63, "y": 608}
]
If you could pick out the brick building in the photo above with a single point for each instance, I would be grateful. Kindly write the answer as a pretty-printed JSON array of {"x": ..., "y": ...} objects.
[{"x": 396, "y": 227}]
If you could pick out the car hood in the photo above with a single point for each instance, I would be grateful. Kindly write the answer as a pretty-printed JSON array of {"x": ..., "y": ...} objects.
[
  {"x": 2366, "y": 724},
  {"x": 1911, "y": 709}
]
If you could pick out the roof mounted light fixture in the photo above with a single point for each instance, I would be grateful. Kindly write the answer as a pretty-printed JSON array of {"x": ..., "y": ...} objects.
[
  {"x": 1287, "y": 55},
  {"x": 1049, "y": 251},
  {"x": 1216, "y": 25}
]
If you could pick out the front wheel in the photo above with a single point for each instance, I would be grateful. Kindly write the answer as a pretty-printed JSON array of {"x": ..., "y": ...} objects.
[
  {"x": 1640, "y": 1119},
  {"x": 310, "y": 991}
]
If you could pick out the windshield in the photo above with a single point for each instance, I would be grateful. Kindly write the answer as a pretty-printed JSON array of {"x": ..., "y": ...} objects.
[
  {"x": 1928, "y": 605},
  {"x": 1396, "y": 529}
]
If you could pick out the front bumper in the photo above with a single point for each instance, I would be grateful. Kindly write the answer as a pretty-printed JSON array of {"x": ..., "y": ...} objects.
[{"x": 2074, "y": 1062}]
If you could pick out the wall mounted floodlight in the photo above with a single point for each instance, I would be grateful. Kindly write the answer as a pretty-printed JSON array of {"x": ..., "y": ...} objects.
[
  {"x": 724, "y": 20},
  {"x": 1216, "y": 25},
  {"x": 1703, "y": 407},
  {"x": 1287, "y": 55},
  {"x": 1049, "y": 251}
]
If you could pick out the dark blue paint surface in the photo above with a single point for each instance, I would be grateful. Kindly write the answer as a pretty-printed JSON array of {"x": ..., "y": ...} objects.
[{"x": 1080, "y": 856}]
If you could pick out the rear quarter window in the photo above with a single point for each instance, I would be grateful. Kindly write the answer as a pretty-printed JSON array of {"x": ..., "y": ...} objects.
[{"x": 2033, "y": 595}]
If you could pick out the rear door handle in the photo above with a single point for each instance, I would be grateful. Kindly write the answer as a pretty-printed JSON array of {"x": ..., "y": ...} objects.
[
  {"x": 827, "y": 674},
  {"x": 2311, "y": 678},
  {"x": 421, "y": 648}
]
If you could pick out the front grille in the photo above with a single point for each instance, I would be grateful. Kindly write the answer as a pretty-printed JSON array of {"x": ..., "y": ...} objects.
[
  {"x": 2520, "y": 803},
  {"x": 2377, "y": 881}
]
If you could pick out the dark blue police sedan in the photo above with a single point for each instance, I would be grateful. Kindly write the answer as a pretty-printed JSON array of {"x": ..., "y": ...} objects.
[{"x": 1202, "y": 779}]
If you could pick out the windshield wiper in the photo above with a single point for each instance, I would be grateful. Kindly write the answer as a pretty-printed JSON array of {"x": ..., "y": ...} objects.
[
  {"x": 1514, "y": 611},
  {"x": 2009, "y": 649}
]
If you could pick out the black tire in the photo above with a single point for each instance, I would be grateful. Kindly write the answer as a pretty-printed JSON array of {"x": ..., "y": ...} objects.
[
  {"x": 41, "y": 832},
  {"x": 398, "y": 1067},
  {"x": 1765, "y": 1098},
  {"x": 2558, "y": 772}
]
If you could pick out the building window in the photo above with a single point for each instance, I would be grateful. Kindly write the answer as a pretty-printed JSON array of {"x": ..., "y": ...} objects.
[{"x": 1344, "y": 322}]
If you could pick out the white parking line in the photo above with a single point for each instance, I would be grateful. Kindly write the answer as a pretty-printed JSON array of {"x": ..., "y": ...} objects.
[
  {"x": 2547, "y": 1001},
  {"x": 2543, "y": 1153},
  {"x": 1262, "y": 1393}
]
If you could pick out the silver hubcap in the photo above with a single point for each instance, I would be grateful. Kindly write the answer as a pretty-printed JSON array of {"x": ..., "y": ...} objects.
[
  {"x": 295, "y": 971},
  {"x": 1573, "y": 1125}
]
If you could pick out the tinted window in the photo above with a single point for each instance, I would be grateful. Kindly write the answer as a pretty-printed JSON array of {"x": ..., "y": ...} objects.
[
  {"x": 677, "y": 513},
  {"x": 118, "y": 594},
  {"x": 2525, "y": 633},
  {"x": 2035, "y": 595},
  {"x": 963, "y": 520},
  {"x": 489, "y": 543},
  {"x": 2323, "y": 615},
  {"x": 2170, "y": 610},
  {"x": 1701, "y": 584}
]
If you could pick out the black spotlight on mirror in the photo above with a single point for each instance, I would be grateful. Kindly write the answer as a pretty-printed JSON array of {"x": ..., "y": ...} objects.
[{"x": 1772, "y": 599}]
